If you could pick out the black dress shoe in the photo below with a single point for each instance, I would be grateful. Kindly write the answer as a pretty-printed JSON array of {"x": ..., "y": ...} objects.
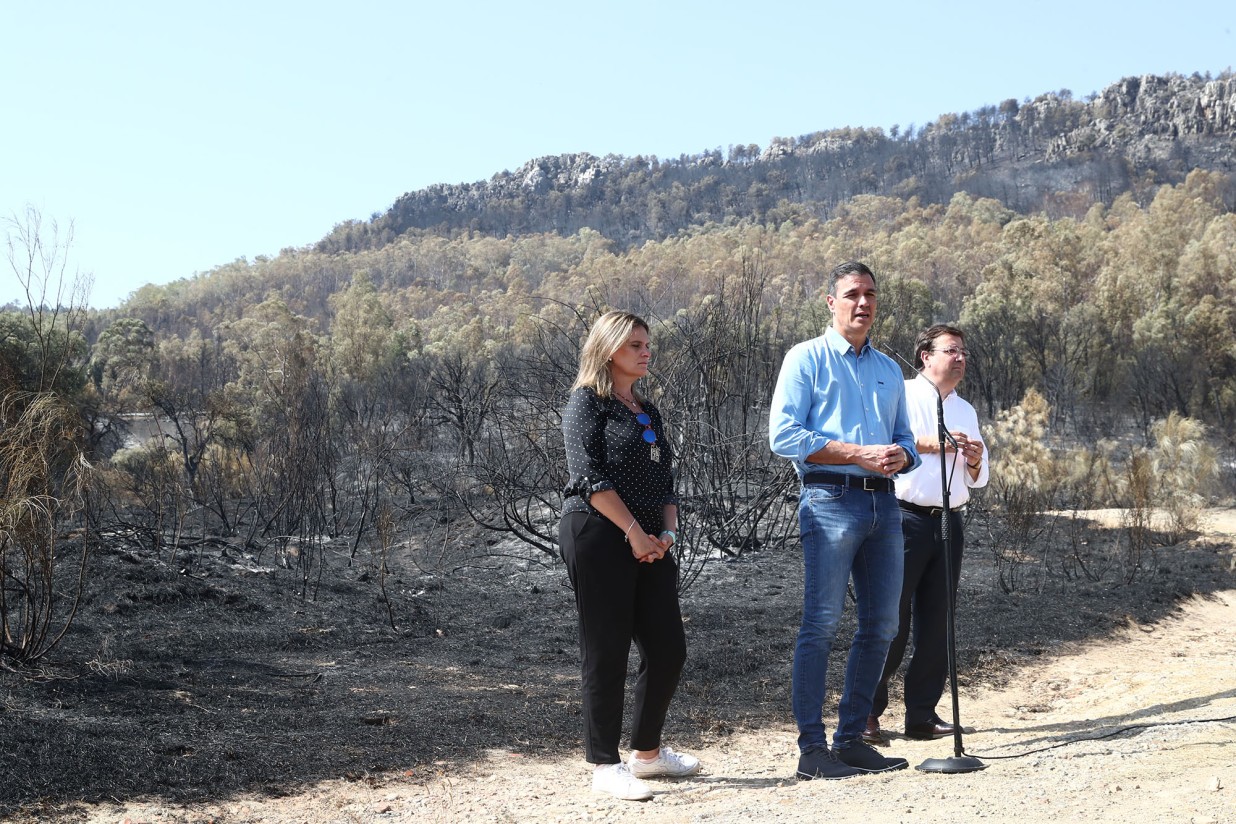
[
  {"x": 860, "y": 756},
  {"x": 935, "y": 728},
  {"x": 872, "y": 733},
  {"x": 820, "y": 763}
]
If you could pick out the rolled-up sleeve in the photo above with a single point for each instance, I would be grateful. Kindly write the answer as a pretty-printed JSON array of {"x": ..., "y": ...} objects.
[
  {"x": 583, "y": 431},
  {"x": 788, "y": 435}
]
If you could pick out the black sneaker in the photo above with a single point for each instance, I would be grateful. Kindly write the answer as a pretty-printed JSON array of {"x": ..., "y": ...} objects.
[
  {"x": 861, "y": 757},
  {"x": 820, "y": 763}
]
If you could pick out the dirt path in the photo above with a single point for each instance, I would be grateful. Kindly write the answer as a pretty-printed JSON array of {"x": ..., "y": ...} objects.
[{"x": 1162, "y": 678}]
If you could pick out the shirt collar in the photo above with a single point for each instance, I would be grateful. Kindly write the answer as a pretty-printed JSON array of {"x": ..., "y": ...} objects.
[
  {"x": 834, "y": 341},
  {"x": 926, "y": 384}
]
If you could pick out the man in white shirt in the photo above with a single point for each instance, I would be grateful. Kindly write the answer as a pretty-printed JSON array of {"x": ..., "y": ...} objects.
[{"x": 941, "y": 351}]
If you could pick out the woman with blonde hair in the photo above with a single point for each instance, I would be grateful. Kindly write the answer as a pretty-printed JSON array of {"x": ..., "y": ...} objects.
[{"x": 619, "y": 518}]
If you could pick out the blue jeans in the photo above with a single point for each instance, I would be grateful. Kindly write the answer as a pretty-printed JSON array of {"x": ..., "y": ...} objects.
[{"x": 846, "y": 533}]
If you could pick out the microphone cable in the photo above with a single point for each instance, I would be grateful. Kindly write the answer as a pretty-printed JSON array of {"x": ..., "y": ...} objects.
[{"x": 1112, "y": 734}]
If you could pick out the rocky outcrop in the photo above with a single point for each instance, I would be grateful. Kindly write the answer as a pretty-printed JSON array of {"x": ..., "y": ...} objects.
[
  {"x": 1172, "y": 105},
  {"x": 1144, "y": 117},
  {"x": 563, "y": 172},
  {"x": 1139, "y": 128}
]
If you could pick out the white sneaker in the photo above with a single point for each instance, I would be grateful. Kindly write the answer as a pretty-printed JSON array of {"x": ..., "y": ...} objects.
[
  {"x": 667, "y": 763},
  {"x": 617, "y": 780}
]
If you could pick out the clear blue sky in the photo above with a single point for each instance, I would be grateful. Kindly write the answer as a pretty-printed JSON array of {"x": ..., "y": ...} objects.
[{"x": 177, "y": 137}]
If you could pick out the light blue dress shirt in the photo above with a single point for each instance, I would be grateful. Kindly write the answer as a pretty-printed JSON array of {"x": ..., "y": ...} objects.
[{"x": 826, "y": 391}]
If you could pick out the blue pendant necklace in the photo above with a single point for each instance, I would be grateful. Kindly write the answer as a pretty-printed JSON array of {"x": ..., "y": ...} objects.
[{"x": 649, "y": 435}]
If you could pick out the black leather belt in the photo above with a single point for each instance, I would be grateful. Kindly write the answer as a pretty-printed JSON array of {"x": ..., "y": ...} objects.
[
  {"x": 926, "y": 511},
  {"x": 863, "y": 482}
]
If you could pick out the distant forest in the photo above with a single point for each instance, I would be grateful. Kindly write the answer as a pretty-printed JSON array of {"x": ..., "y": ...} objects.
[{"x": 397, "y": 387}]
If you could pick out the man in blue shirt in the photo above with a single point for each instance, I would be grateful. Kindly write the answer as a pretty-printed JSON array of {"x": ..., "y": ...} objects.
[{"x": 839, "y": 413}]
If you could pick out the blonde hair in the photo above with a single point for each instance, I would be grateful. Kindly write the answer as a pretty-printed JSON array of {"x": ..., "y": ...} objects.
[{"x": 605, "y": 338}]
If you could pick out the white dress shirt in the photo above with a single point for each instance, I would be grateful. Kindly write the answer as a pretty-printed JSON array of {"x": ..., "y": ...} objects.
[{"x": 922, "y": 485}]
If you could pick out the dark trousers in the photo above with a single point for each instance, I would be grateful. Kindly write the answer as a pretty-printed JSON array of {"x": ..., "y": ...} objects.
[
  {"x": 621, "y": 600},
  {"x": 924, "y": 607}
]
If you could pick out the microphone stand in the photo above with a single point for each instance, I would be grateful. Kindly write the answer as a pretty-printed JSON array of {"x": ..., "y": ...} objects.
[{"x": 959, "y": 762}]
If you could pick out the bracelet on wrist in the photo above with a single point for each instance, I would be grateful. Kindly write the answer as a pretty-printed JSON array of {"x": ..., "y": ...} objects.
[
  {"x": 672, "y": 535},
  {"x": 626, "y": 534},
  {"x": 975, "y": 466}
]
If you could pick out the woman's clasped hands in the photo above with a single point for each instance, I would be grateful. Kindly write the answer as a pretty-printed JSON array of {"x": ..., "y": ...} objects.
[{"x": 648, "y": 548}]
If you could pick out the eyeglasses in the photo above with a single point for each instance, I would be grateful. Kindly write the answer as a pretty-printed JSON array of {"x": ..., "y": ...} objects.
[
  {"x": 953, "y": 352},
  {"x": 649, "y": 436}
]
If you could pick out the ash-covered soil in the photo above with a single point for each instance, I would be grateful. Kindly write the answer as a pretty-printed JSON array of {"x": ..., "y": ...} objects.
[{"x": 208, "y": 687}]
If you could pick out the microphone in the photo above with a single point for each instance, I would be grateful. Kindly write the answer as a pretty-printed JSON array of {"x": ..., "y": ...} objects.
[
  {"x": 918, "y": 371},
  {"x": 888, "y": 350}
]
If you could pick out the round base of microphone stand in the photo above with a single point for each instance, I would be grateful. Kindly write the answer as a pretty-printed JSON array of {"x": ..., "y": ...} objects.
[{"x": 955, "y": 764}]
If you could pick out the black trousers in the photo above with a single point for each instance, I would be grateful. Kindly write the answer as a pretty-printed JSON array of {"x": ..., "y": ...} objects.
[
  {"x": 621, "y": 600},
  {"x": 924, "y": 607}
]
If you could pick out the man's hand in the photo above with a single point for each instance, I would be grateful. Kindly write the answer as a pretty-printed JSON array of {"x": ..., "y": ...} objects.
[
  {"x": 971, "y": 450},
  {"x": 887, "y": 459}
]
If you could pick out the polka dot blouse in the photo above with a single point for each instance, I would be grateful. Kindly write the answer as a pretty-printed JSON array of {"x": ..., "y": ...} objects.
[{"x": 605, "y": 449}]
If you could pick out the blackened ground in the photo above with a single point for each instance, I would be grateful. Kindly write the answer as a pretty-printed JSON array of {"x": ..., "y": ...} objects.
[{"x": 208, "y": 676}]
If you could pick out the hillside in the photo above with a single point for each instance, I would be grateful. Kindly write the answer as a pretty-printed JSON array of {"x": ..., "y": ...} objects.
[{"x": 1040, "y": 154}]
